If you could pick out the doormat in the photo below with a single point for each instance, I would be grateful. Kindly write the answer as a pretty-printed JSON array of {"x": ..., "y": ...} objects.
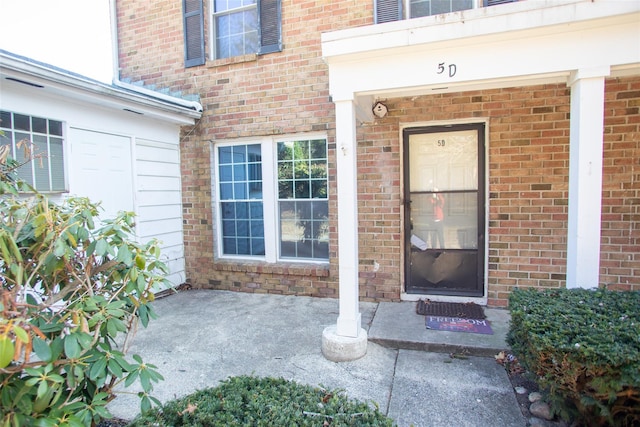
[
  {"x": 467, "y": 310},
  {"x": 458, "y": 324}
]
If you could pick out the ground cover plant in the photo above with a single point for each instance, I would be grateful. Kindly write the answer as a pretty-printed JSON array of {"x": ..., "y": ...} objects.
[
  {"x": 71, "y": 285},
  {"x": 583, "y": 346},
  {"x": 254, "y": 401}
]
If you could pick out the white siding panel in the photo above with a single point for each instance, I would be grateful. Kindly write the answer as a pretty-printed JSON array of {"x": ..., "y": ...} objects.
[
  {"x": 159, "y": 201},
  {"x": 166, "y": 239},
  {"x": 157, "y": 183},
  {"x": 159, "y": 213},
  {"x": 157, "y": 151},
  {"x": 149, "y": 168},
  {"x": 149, "y": 228},
  {"x": 159, "y": 198}
]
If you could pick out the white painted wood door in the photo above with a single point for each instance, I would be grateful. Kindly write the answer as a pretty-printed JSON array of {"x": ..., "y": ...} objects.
[{"x": 101, "y": 169}]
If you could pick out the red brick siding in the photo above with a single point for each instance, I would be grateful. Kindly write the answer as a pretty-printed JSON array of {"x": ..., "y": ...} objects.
[
  {"x": 287, "y": 92},
  {"x": 620, "y": 250},
  {"x": 278, "y": 93}
]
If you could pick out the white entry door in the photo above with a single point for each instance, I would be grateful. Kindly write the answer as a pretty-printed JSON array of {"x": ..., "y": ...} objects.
[{"x": 101, "y": 169}]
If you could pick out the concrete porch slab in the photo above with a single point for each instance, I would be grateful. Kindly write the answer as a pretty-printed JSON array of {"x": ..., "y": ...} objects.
[{"x": 397, "y": 325}]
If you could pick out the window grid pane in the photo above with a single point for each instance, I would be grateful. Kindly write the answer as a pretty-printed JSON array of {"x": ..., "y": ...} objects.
[
  {"x": 303, "y": 204},
  {"x": 241, "y": 205},
  {"x": 46, "y": 171},
  {"x": 235, "y": 28}
]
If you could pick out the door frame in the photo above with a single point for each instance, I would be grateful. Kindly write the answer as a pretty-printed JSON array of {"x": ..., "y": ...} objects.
[{"x": 483, "y": 190}]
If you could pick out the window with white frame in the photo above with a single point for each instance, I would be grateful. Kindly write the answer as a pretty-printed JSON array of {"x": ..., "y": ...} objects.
[
  {"x": 46, "y": 172},
  {"x": 235, "y": 27},
  {"x": 272, "y": 199}
]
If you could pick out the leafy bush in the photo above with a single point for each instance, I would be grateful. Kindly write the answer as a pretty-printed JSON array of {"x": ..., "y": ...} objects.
[
  {"x": 68, "y": 290},
  {"x": 584, "y": 347},
  {"x": 252, "y": 401}
]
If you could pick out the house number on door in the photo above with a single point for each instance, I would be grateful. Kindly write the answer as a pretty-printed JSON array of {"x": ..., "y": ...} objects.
[
  {"x": 452, "y": 69},
  {"x": 441, "y": 143}
]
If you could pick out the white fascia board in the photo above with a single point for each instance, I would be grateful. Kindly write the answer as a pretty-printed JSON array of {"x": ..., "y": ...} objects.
[
  {"x": 500, "y": 20},
  {"x": 532, "y": 56},
  {"x": 77, "y": 87}
]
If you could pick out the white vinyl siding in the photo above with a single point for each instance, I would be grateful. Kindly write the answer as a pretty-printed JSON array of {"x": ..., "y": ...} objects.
[{"x": 159, "y": 202}]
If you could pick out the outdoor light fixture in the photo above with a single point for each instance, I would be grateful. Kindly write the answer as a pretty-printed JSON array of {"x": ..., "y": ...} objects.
[{"x": 380, "y": 110}]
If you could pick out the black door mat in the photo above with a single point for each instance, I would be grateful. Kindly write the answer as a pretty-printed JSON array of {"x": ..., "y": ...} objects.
[{"x": 466, "y": 310}]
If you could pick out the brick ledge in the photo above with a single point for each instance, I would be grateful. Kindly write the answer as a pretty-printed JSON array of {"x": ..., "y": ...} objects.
[{"x": 287, "y": 269}]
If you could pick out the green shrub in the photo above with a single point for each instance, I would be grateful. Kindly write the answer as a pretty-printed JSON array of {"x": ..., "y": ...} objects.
[
  {"x": 584, "y": 347},
  {"x": 68, "y": 290},
  {"x": 252, "y": 401}
]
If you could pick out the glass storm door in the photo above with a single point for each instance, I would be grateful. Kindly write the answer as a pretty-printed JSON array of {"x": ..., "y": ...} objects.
[{"x": 444, "y": 210}]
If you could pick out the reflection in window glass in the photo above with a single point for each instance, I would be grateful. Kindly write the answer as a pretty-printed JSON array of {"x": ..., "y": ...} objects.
[
  {"x": 446, "y": 220},
  {"x": 303, "y": 203}
]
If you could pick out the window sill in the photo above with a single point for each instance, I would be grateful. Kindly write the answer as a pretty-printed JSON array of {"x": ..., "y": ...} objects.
[
  {"x": 281, "y": 268},
  {"x": 232, "y": 60}
]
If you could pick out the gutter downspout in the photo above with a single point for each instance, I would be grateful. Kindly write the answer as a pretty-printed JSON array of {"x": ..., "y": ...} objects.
[{"x": 194, "y": 105}]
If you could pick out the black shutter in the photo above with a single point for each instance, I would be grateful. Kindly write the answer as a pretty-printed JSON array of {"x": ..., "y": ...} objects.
[
  {"x": 495, "y": 2},
  {"x": 193, "y": 18},
  {"x": 270, "y": 26},
  {"x": 387, "y": 10}
]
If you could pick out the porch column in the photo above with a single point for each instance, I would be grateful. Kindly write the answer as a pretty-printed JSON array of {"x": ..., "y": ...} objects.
[
  {"x": 347, "y": 340},
  {"x": 585, "y": 176}
]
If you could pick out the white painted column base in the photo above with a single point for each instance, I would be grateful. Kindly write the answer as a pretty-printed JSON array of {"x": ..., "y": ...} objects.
[{"x": 339, "y": 348}]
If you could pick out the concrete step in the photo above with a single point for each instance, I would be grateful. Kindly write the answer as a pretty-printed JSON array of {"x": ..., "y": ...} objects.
[{"x": 397, "y": 325}]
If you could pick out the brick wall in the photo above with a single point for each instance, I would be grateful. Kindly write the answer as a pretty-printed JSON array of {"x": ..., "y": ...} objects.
[
  {"x": 278, "y": 93},
  {"x": 528, "y": 186},
  {"x": 287, "y": 92},
  {"x": 620, "y": 250}
]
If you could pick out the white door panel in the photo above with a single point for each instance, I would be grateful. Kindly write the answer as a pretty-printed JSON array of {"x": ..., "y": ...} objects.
[{"x": 101, "y": 169}]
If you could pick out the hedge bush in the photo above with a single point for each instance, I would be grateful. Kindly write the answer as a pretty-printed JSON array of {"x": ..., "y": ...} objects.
[
  {"x": 584, "y": 347},
  {"x": 253, "y": 401}
]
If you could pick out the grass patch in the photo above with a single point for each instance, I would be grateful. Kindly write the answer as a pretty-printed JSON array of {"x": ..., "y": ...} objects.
[{"x": 253, "y": 401}]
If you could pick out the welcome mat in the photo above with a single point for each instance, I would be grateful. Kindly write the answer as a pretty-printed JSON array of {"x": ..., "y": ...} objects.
[
  {"x": 467, "y": 310},
  {"x": 458, "y": 324}
]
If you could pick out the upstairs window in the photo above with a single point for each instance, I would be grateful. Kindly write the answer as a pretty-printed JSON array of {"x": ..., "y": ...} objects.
[
  {"x": 238, "y": 27},
  {"x": 235, "y": 27},
  {"x": 419, "y": 8},
  {"x": 395, "y": 10},
  {"x": 46, "y": 172}
]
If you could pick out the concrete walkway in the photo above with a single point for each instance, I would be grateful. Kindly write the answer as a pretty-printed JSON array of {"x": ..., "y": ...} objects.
[{"x": 203, "y": 337}]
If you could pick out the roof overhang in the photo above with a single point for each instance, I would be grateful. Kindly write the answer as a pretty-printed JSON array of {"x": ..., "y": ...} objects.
[
  {"x": 514, "y": 44},
  {"x": 15, "y": 69}
]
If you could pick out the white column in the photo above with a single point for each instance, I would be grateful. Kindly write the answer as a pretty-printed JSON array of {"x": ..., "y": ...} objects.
[
  {"x": 347, "y": 188},
  {"x": 585, "y": 177},
  {"x": 346, "y": 340}
]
